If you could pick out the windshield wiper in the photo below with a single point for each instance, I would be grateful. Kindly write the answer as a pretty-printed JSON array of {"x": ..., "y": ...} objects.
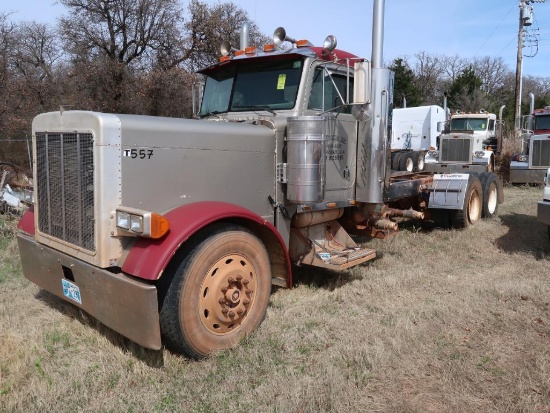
[{"x": 256, "y": 107}]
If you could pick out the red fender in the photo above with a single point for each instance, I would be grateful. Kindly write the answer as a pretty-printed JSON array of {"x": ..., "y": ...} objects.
[
  {"x": 26, "y": 223},
  {"x": 148, "y": 258}
]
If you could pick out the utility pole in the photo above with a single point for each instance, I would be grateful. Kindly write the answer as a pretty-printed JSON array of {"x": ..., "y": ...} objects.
[{"x": 525, "y": 19}]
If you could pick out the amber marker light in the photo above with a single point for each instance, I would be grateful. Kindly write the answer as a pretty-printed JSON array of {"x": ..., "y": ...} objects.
[
  {"x": 225, "y": 58},
  {"x": 269, "y": 47},
  {"x": 239, "y": 52},
  {"x": 159, "y": 226},
  {"x": 302, "y": 43},
  {"x": 250, "y": 50}
]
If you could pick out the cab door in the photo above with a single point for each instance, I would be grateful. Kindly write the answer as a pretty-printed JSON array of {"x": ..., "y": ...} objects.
[{"x": 330, "y": 90}]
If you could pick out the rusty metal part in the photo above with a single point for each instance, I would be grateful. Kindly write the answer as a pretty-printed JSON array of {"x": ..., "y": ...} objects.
[
  {"x": 405, "y": 213},
  {"x": 228, "y": 293},
  {"x": 382, "y": 223},
  {"x": 364, "y": 211},
  {"x": 307, "y": 219}
]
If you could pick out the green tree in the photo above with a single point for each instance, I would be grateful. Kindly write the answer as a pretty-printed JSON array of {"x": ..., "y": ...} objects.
[
  {"x": 466, "y": 94},
  {"x": 404, "y": 84}
]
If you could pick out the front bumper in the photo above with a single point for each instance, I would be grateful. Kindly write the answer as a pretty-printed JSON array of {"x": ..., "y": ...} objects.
[
  {"x": 543, "y": 212},
  {"x": 520, "y": 174},
  {"x": 127, "y": 305}
]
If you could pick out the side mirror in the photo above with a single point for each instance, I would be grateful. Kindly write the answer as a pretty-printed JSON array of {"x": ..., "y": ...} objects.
[{"x": 362, "y": 83}]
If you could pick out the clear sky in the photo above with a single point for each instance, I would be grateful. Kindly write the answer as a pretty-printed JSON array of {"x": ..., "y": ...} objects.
[{"x": 466, "y": 28}]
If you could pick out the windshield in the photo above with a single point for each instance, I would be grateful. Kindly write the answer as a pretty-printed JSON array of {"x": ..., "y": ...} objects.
[
  {"x": 542, "y": 122},
  {"x": 469, "y": 124},
  {"x": 252, "y": 85}
]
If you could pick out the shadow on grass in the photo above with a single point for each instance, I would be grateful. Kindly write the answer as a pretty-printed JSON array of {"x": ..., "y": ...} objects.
[
  {"x": 153, "y": 358},
  {"x": 525, "y": 234}
]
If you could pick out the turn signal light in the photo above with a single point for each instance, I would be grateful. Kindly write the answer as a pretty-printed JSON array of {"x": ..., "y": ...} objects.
[{"x": 159, "y": 226}]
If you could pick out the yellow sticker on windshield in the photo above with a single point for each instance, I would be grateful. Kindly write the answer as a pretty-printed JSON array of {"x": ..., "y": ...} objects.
[{"x": 281, "y": 82}]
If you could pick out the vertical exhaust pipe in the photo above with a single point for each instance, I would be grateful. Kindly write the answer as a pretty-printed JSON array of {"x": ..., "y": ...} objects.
[
  {"x": 245, "y": 35},
  {"x": 500, "y": 135},
  {"x": 377, "y": 34},
  {"x": 375, "y": 156}
]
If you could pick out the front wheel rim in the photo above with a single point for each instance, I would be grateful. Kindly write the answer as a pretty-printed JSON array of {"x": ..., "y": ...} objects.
[{"x": 227, "y": 294}]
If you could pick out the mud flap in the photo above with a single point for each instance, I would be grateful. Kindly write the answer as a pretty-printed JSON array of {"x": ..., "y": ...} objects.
[{"x": 448, "y": 191}]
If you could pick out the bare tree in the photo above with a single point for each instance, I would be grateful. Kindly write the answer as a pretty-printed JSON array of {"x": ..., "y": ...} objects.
[
  {"x": 209, "y": 26},
  {"x": 121, "y": 35},
  {"x": 492, "y": 72},
  {"x": 453, "y": 66},
  {"x": 429, "y": 72}
]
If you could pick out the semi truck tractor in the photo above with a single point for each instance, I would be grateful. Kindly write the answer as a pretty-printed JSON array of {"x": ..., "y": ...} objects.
[
  {"x": 470, "y": 143},
  {"x": 414, "y": 132},
  {"x": 173, "y": 232},
  {"x": 543, "y": 207},
  {"x": 530, "y": 166}
]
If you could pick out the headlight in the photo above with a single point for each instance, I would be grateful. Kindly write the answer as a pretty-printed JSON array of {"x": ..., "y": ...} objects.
[
  {"x": 141, "y": 223},
  {"x": 523, "y": 158},
  {"x": 479, "y": 154},
  {"x": 433, "y": 154},
  {"x": 123, "y": 220}
]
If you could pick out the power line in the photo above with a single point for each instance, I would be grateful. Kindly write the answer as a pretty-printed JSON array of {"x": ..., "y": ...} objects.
[{"x": 495, "y": 29}]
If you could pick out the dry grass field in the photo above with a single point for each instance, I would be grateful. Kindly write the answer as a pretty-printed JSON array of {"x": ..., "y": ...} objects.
[{"x": 442, "y": 321}]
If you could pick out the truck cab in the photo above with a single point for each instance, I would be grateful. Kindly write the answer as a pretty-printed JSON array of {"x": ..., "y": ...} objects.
[
  {"x": 531, "y": 164},
  {"x": 173, "y": 231},
  {"x": 470, "y": 142}
]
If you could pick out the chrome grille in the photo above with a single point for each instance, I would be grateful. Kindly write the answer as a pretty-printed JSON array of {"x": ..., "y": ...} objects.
[
  {"x": 455, "y": 149},
  {"x": 540, "y": 153},
  {"x": 65, "y": 187}
]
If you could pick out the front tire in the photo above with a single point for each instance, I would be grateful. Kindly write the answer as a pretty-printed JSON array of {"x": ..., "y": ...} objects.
[{"x": 219, "y": 292}]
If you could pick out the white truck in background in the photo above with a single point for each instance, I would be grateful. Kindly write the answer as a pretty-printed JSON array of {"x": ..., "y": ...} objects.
[
  {"x": 415, "y": 131},
  {"x": 470, "y": 143},
  {"x": 543, "y": 207}
]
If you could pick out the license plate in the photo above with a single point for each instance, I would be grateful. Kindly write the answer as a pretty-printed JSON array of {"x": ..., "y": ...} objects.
[{"x": 71, "y": 291}]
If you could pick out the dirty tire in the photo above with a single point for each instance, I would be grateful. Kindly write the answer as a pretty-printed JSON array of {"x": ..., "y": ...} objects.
[
  {"x": 395, "y": 157},
  {"x": 406, "y": 162},
  {"x": 471, "y": 211},
  {"x": 489, "y": 185},
  {"x": 419, "y": 161},
  {"x": 219, "y": 292}
]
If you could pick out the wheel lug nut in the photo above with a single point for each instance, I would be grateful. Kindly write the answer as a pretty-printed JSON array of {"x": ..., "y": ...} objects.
[
  {"x": 225, "y": 311},
  {"x": 224, "y": 289},
  {"x": 231, "y": 314},
  {"x": 240, "y": 311},
  {"x": 239, "y": 277},
  {"x": 221, "y": 301},
  {"x": 231, "y": 280},
  {"x": 246, "y": 301}
]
